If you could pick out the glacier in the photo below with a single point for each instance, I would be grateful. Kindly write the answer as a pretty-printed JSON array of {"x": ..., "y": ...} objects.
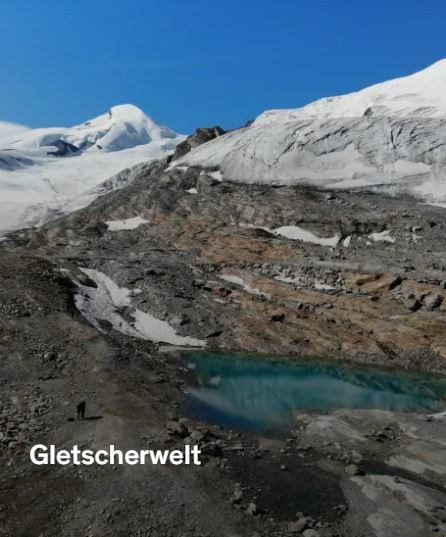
[{"x": 389, "y": 137}]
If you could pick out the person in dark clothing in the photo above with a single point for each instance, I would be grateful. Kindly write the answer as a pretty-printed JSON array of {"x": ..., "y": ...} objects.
[{"x": 81, "y": 410}]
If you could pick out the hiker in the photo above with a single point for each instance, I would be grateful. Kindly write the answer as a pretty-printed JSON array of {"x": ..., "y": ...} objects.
[{"x": 81, "y": 410}]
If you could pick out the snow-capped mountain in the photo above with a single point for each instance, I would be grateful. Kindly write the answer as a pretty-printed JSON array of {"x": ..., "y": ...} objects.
[
  {"x": 120, "y": 128},
  {"x": 58, "y": 168},
  {"x": 390, "y": 136}
]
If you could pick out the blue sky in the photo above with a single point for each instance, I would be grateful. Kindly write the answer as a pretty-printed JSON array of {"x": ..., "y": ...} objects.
[{"x": 192, "y": 63}]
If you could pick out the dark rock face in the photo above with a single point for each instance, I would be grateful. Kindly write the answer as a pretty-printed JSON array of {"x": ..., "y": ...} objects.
[
  {"x": 63, "y": 149},
  {"x": 201, "y": 136}
]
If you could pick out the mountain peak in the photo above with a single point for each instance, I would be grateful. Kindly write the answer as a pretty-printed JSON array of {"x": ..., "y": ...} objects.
[
  {"x": 127, "y": 112},
  {"x": 122, "y": 127}
]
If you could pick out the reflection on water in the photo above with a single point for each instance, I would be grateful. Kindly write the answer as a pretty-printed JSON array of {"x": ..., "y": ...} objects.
[{"x": 255, "y": 393}]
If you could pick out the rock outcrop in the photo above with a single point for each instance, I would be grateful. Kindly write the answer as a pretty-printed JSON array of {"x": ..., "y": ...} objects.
[{"x": 201, "y": 136}]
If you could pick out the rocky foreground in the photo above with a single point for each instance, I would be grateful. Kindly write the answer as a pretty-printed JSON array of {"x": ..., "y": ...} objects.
[{"x": 292, "y": 271}]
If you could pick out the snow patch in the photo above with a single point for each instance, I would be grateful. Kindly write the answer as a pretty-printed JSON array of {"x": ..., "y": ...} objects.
[
  {"x": 384, "y": 236},
  {"x": 346, "y": 242},
  {"x": 175, "y": 166},
  {"x": 236, "y": 280},
  {"x": 217, "y": 175},
  {"x": 104, "y": 302},
  {"x": 297, "y": 281},
  {"x": 128, "y": 223},
  {"x": 192, "y": 190},
  {"x": 299, "y": 234}
]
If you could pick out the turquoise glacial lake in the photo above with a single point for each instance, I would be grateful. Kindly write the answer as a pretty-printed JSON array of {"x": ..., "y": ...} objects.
[{"x": 259, "y": 393}]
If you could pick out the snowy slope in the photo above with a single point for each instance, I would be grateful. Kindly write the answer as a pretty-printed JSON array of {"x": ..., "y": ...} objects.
[
  {"x": 390, "y": 136},
  {"x": 33, "y": 180},
  {"x": 10, "y": 130},
  {"x": 422, "y": 94}
]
